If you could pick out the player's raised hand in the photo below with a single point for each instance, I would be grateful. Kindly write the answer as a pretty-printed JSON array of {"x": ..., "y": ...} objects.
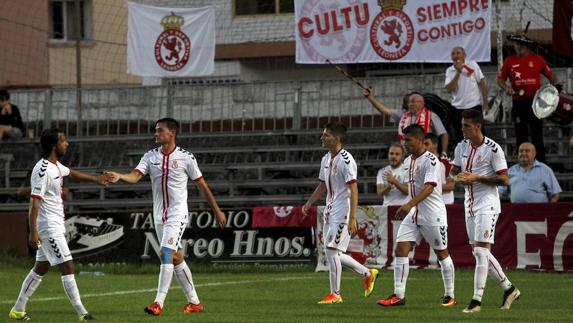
[
  {"x": 221, "y": 218},
  {"x": 34, "y": 239},
  {"x": 367, "y": 92}
]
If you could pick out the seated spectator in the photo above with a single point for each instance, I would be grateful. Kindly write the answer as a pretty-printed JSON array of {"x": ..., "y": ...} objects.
[
  {"x": 11, "y": 125},
  {"x": 417, "y": 113},
  {"x": 531, "y": 181}
]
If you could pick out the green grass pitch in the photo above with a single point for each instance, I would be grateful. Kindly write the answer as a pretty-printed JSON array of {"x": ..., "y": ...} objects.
[{"x": 289, "y": 296}]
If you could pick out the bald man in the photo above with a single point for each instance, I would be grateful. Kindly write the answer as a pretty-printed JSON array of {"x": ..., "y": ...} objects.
[
  {"x": 531, "y": 181},
  {"x": 468, "y": 87},
  {"x": 417, "y": 113}
]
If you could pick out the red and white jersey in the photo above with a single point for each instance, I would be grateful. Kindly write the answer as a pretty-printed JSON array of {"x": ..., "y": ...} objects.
[
  {"x": 337, "y": 172},
  {"x": 426, "y": 169},
  {"x": 487, "y": 160},
  {"x": 394, "y": 196},
  {"x": 169, "y": 174},
  {"x": 46, "y": 185}
]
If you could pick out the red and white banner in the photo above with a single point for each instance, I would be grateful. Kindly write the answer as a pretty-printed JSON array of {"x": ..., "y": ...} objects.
[
  {"x": 375, "y": 31},
  {"x": 528, "y": 236},
  {"x": 170, "y": 42},
  {"x": 282, "y": 216}
]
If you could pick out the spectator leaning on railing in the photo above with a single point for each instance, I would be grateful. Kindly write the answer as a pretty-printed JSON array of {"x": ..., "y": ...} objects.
[{"x": 531, "y": 181}]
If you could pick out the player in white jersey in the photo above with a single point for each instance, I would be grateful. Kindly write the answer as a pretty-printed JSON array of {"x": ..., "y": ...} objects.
[
  {"x": 46, "y": 221},
  {"x": 391, "y": 181},
  {"x": 479, "y": 164},
  {"x": 338, "y": 179},
  {"x": 169, "y": 168},
  {"x": 424, "y": 216},
  {"x": 448, "y": 184}
]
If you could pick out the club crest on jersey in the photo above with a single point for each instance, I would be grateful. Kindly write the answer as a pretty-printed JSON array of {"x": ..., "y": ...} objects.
[
  {"x": 170, "y": 241},
  {"x": 486, "y": 234},
  {"x": 173, "y": 47},
  {"x": 175, "y": 164}
]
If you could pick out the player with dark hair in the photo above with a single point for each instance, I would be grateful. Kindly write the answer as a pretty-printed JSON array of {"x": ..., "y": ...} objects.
[
  {"x": 424, "y": 216},
  {"x": 170, "y": 167},
  {"x": 46, "y": 220},
  {"x": 479, "y": 164},
  {"x": 338, "y": 179}
]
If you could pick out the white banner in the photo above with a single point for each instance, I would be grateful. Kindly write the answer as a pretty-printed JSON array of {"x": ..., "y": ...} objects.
[
  {"x": 376, "y": 31},
  {"x": 170, "y": 42}
]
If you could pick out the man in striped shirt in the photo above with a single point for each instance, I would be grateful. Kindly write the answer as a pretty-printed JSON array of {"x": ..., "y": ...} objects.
[
  {"x": 170, "y": 167},
  {"x": 479, "y": 164}
]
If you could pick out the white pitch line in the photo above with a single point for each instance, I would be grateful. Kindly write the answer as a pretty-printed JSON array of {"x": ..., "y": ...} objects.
[{"x": 149, "y": 290}]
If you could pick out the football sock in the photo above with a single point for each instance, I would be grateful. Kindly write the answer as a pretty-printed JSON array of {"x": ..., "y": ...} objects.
[
  {"x": 401, "y": 270},
  {"x": 335, "y": 268},
  {"x": 71, "y": 289},
  {"x": 165, "y": 276},
  {"x": 448, "y": 276},
  {"x": 350, "y": 262},
  {"x": 29, "y": 285},
  {"x": 480, "y": 274},
  {"x": 185, "y": 279},
  {"x": 496, "y": 272}
]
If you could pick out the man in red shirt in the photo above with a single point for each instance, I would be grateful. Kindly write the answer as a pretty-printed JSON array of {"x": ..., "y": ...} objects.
[{"x": 524, "y": 71}]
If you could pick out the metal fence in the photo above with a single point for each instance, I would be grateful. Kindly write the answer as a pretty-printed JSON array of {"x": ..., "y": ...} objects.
[{"x": 244, "y": 107}]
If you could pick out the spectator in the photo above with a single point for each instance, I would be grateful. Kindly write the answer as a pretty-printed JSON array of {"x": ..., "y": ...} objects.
[
  {"x": 466, "y": 83},
  {"x": 524, "y": 71},
  {"x": 392, "y": 181},
  {"x": 448, "y": 184},
  {"x": 531, "y": 181},
  {"x": 11, "y": 125},
  {"x": 417, "y": 113}
]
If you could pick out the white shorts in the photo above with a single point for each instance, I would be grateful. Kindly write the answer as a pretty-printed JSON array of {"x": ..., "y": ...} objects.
[
  {"x": 170, "y": 233},
  {"x": 336, "y": 236},
  {"x": 481, "y": 227},
  {"x": 436, "y": 236},
  {"x": 54, "y": 248}
]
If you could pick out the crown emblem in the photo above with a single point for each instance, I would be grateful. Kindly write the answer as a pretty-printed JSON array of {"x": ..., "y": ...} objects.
[
  {"x": 392, "y": 4},
  {"x": 172, "y": 21}
]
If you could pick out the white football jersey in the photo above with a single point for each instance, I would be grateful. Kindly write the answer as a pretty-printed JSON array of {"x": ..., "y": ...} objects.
[
  {"x": 46, "y": 185},
  {"x": 487, "y": 160},
  {"x": 394, "y": 196},
  {"x": 337, "y": 172},
  {"x": 169, "y": 174},
  {"x": 425, "y": 169}
]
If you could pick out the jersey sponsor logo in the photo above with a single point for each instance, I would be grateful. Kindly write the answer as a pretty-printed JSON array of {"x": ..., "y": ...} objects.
[
  {"x": 37, "y": 190},
  {"x": 156, "y": 164}
]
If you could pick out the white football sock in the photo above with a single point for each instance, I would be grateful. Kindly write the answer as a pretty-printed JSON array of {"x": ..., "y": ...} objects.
[
  {"x": 165, "y": 276},
  {"x": 480, "y": 274},
  {"x": 335, "y": 268},
  {"x": 448, "y": 276},
  {"x": 71, "y": 289},
  {"x": 350, "y": 262},
  {"x": 496, "y": 272},
  {"x": 29, "y": 285},
  {"x": 185, "y": 279},
  {"x": 401, "y": 270}
]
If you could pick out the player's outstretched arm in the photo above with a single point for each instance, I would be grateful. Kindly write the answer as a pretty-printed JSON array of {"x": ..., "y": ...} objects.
[
  {"x": 208, "y": 194},
  {"x": 318, "y": 193},
  {"x": 130, "y": 178},
  {"x": 102, "y": 179}
]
